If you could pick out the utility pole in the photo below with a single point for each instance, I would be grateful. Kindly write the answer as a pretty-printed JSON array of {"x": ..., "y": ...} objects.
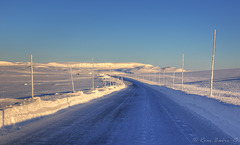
[
  {"x": 93, "y": 73},
  {"x": 32, "y": 76},
  {"x": 213, "y": 59},
  {"x": 182, "y": 69},
  {"x": 72, "y": 79}
]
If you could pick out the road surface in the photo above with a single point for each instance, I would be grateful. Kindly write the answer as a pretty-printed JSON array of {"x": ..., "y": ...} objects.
[{"x": 137, "y": 115}]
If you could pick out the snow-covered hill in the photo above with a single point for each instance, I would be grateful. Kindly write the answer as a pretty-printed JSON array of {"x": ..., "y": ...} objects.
[{"x": 130, "y": 67}]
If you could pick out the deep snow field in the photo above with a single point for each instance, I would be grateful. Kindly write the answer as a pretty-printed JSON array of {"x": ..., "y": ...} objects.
[
  {"x": 51, "y": 78},
  {"x": 16, "y": 80}
]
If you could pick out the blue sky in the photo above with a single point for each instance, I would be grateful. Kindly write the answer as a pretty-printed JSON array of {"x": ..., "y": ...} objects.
[{"x": 147, "y": 31}]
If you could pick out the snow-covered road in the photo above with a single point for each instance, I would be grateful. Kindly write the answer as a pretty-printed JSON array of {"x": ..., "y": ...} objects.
[{"x": 134, "y": 116}]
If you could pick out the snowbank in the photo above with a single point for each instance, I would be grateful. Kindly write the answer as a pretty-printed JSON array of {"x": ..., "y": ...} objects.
[
  {"x": 37, "y": 107},
  {"x": 221, "y": 95}
]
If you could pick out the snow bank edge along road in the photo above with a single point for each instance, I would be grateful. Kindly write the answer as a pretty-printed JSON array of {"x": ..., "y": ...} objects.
[{"x": 38, "y": 107}]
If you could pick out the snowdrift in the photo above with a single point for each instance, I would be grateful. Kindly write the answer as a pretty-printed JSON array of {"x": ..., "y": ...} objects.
[{"x": 34, "y": 108}]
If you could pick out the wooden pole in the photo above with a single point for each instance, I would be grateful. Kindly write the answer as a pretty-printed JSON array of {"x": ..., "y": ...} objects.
[
  {"x": 182, "y": 69},
  {"x": 32, "y": 76},
  {"x": 213, "y": 59}
]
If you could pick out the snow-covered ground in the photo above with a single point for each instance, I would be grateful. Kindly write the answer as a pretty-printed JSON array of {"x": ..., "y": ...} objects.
[
  {"x": 54, "y": 91},
  {"x": 226, "y": 86},
  {"x": 16, "y": 80},
  {"x": 139, "y": 114},
  {"x": 53, "y": 86},
  {"x": 51, "y": 78}
]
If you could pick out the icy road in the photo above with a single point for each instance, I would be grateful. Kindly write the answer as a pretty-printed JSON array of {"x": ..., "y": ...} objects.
[{"x": 137, "y": 115}]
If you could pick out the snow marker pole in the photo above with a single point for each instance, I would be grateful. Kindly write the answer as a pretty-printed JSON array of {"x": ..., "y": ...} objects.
[
  {"x": 110, "y": 76},
  {"x": 93, "y": 73},
  {"x": 213, "y": 58},
  {"x": 72, "y": 79},
  {"x": 32, "y": 76},
  {"x": 182, "y": 69}
]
